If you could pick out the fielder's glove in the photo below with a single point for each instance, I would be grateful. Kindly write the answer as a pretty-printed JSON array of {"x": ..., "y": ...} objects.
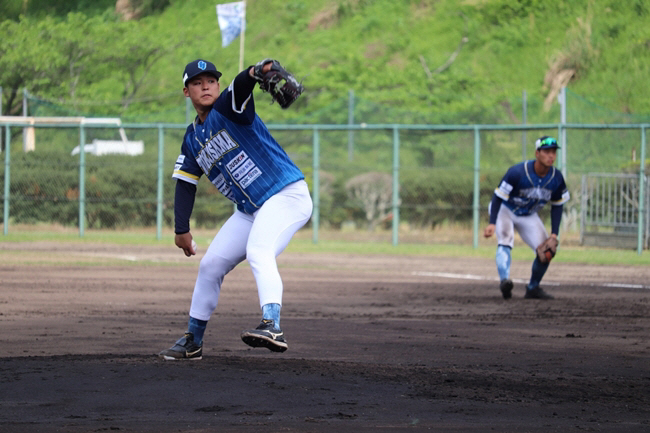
[
  {"x": 281, "y": 84},
  {"x": 547, "y": 249}
]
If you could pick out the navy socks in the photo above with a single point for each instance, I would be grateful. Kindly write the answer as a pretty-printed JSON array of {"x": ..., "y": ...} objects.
[
  {"x": 539, "y": 269},
  {"x": 197, "y": 327}
]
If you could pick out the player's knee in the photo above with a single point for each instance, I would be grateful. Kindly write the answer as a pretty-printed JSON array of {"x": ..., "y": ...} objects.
[
  {"x": 259, "y": 256},
  {"x": 505, "y": 238},
  {"x": 214, "y": 267}
]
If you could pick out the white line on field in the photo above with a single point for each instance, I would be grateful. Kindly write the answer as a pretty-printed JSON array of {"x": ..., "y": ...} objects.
[
  {"x": 129, "y": 258},
  {"x": 624, "y": 286},
  {"x": 546, "y": 283},
  {"x": 471, "y": 277}
]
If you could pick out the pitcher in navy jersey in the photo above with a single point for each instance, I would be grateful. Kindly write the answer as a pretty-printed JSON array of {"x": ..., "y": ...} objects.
[
  {"x": 525, "y": 189},
  {"x": 232, "y": 147}
]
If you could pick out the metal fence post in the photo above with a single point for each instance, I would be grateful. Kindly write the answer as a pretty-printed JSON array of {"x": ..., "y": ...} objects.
[
  {"x": 25, "y": 112},
  {"x": 6, "y": 191},
  {"x": 395, "y": 185},
  {"x": 584, "y": 193},
  {"x": 562, "y": 132},
  {"x": 642, "y": 193},
  {"x": 350, "y": 122},
  {"x": 1, "y": 115},
  {"x": 82, "y": 179},
  {"x": 477, "y": 190},
  {"x": 188, "y": 110},
  {"x": 159, "y": 201},
  {"x": 524, "y": 115},
  {"x": 315, "y": 220}
]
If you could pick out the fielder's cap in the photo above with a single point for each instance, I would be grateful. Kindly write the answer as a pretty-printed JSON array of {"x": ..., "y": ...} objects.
[
  {"x": 199, "y": 67},
  {"x": 546, "y": 142}
]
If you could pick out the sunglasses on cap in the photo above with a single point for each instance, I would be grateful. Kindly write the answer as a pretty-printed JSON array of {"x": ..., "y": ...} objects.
[{"x": 546, "y": 143}]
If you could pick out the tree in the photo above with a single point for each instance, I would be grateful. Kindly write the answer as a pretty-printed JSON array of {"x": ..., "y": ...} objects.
[
  {"x": 54, "y": 58},
  {"x": 374, "y": 191},
  {"x": 136, "y": 9},
  {"x": 134, "y": 54},
  {"x": 46, "y": 56}
]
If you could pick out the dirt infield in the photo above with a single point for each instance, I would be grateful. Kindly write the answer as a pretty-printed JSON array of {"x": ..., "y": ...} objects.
[{"x": 376, "y": 343}]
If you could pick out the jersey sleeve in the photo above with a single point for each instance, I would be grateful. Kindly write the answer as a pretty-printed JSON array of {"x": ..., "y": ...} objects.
[
  {"x": 186, "y": 167},
  {"x": 508, "y": 183},
  {"x": 236, "y": 102},
  {"x": 560, "y": 194},
  {"x": 495, "y": 206}
]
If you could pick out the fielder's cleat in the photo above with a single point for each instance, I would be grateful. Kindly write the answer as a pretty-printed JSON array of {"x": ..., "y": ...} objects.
[
  {"x": 537, "y": 293},
  {"x": 266, "y": 335},
  {"x": 185, "y": 348},
  {"x": 506, "y": 288}
]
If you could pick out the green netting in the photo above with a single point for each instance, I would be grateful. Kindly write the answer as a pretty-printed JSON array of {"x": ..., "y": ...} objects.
[
  {"x": 436, "y": 167},
  {"x": 173, "y": 108},
  {"x": 346, "y": 108},
  {"x": 583, "y": 110},
  {"x": 354, "y": 109},
  {"x": 169, "y": 108}
]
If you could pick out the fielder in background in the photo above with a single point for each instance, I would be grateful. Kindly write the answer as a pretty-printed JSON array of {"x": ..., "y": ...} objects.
[
  {"x": 524, "y": 190},
  {"x": 232, "y": 147}
]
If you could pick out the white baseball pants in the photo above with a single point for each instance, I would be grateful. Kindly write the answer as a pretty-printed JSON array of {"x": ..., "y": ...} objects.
[
  {"x": 258, "y": 238},
  {"x": 530, "y": 228}
]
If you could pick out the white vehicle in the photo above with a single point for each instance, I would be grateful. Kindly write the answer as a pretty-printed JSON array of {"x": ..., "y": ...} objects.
[{"x": 111, "y": 147}]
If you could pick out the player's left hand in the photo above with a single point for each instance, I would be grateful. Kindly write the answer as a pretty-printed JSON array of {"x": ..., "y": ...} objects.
[
  {"x": 277, "y": 81},
  {"x": 547, "y": 249}
]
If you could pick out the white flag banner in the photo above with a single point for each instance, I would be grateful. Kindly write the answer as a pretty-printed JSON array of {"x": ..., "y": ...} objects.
[{"x": 231, "y": 21}]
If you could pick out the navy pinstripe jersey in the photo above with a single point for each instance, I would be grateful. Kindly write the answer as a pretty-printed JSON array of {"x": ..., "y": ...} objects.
[
  {"x": 237, "y": 153},
  {"x": 524, "y": 192}
]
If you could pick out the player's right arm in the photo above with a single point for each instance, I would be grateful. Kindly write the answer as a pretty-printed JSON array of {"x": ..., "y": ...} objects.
[
  {"x": 187, "y": 173},
  {"x": 183, "y": 205},
  {"x": 501, "y": 194},
  {"x": 495, "y": 205}
]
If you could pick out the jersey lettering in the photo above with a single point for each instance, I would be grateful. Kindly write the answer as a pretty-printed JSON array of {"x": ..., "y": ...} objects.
[
  {"x": 236, "y": 161},
  {"x": 222, "y": 186},
  {"x": 245, "y": 168},
  {"x": 536, "y": 193},
  {"x": 242, "y": 160},
  {"x": 525, "y": 193},
  {"x": 250, "y": 177},
  {"x": 214, "y": 150}
]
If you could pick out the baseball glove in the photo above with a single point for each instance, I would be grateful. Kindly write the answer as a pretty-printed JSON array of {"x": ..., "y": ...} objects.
[
  {"x": 547, "y": 249},
  {"x": 280, "y": 83}
]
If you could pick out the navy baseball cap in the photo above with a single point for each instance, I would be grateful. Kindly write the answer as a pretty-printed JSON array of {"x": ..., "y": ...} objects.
[
  {"x": 546, "y": 142},
  {"x": 199, "y": 67}
]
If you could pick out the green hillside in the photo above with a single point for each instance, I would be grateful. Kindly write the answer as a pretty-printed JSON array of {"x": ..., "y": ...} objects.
[
  {"x": 418, "y": 61},
  {"x": 411, "y": 62}
]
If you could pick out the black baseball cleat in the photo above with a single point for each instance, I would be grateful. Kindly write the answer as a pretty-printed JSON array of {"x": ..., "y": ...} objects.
[
  {"x": 266, "y": 335},
  {"x": 506, "y": 288},
  {"x": 537, "y": 293},
  {"x": 185, "y": 348}
]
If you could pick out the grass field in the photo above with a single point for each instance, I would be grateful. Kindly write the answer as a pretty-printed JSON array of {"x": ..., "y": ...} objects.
[{"x": 447, "y": 242}]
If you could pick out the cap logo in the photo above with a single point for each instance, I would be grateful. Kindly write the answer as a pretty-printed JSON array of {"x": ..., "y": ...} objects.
[{"x": 202, "y": 65}]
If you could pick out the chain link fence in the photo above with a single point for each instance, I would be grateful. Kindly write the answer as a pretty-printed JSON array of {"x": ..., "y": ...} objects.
[{"x": 393, "y": 179}]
